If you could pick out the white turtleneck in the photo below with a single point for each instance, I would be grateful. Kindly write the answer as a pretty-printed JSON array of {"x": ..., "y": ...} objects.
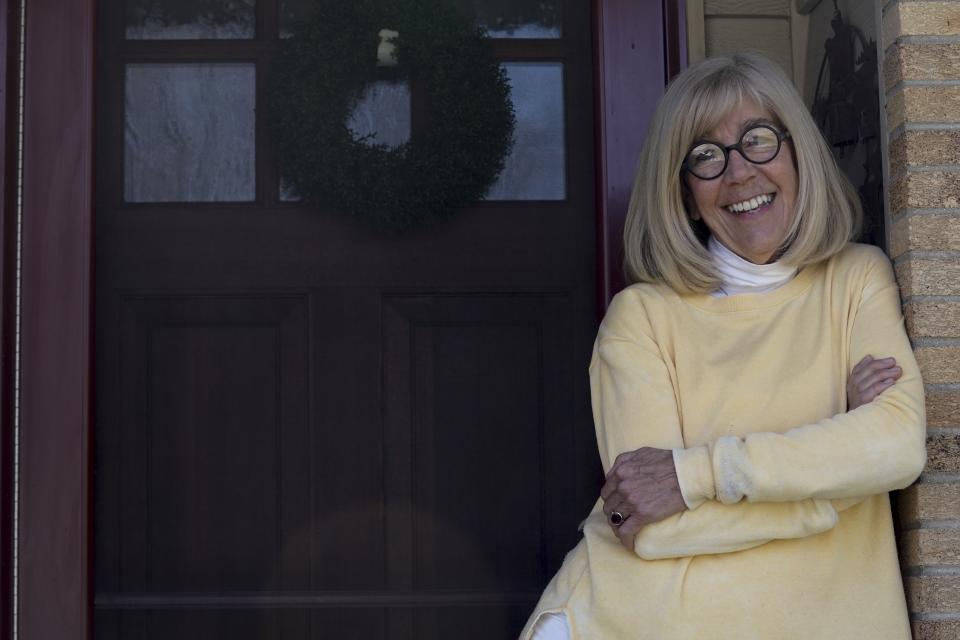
[{"x": 742, "y": 276}]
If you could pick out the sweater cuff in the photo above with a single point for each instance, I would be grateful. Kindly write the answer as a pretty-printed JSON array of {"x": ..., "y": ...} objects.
[{"x": 695, "y": 475}]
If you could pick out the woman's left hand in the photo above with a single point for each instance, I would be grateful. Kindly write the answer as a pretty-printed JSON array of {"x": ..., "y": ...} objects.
[
  {"x": 641, "y": 486},
  {"x": 869, "y": 378}
]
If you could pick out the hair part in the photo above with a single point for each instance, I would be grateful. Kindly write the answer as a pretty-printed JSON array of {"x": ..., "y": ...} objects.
[{"x": 662, "y": 242}]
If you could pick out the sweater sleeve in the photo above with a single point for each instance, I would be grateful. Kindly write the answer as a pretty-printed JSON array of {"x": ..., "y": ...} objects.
[
  {"x": 875, "y": 448},
  {"x": 635, "y": 405}
]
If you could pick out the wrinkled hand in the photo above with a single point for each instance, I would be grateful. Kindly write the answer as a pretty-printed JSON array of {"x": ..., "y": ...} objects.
[
  {"x": 869, "y": 378},
  {"x": 642, "y": 485}
]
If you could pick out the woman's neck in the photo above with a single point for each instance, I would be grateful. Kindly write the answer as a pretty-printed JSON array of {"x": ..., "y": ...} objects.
[{"x": 739, "y": 276}]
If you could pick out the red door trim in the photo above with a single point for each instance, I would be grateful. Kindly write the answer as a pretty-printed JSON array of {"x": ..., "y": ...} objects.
[
  {"x": 55, "y": 323},
  {"x": 57, "y": 269},
  {"x": 629, "y": 77}
]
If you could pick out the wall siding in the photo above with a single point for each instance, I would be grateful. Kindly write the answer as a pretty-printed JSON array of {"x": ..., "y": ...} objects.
[
  {"x": 722, "y": 27},
  {"x": 726, "y": 35}
]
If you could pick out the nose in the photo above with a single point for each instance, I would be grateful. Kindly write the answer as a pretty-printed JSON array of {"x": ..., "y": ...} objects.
[{"x": 739, "y": 169}]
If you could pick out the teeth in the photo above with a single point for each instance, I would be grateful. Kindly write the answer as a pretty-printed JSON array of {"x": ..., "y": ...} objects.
[{"x": 751, "y": 204}]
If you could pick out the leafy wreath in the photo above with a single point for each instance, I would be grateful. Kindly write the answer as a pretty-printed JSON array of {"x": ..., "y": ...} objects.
[{"x": 320, "y": 75}]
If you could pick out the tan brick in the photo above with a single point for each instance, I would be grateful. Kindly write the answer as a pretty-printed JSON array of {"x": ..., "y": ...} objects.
[
  {"x": 924, "y": 147},
  {"x": 920, "y": 18},
  {"x": 925, "y": 547},
  {"x": 925, "y": 501},
  {"x": 923, "y": 104},
  {"x": 928, "y": 277},
  {"x": 935, "y": 629},
  {"x": 933, "y": 594},
  {"x": 939, "y": 232},
  {"x": 933, "y": 319},
  {"x": 921, "y": 62},
  {"x": 925, "y": 190},
  {"x": 943, "y": 407},
  {"x": 943, "y": 452},
  {"x": 939, "y": 365}
]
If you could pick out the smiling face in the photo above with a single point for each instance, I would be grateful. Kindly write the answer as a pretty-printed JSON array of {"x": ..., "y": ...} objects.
[{"x": 751, "y": 207}]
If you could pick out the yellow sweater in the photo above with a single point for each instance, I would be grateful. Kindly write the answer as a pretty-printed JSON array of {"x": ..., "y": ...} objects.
[{"x": 789, "y": 533}]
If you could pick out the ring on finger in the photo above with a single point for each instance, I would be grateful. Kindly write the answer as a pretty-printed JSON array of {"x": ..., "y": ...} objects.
[{"x": 617, "y": 518}]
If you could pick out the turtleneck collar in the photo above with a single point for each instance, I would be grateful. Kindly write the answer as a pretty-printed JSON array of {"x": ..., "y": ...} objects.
[{"x": 742, "y": 276}]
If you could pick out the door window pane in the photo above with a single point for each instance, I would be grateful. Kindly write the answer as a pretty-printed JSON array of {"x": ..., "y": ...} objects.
[
  {"x": 518, "y": 18},
  {"x": 189, "y": 133},
  {"x": 535, "y": 169},
  {"x": 501, "y": 18},
  {"x": 383, "y": 114},
  {"x": 189, "y": 19}
]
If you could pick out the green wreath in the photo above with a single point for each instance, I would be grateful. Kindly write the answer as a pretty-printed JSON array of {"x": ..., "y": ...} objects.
[{"x": 320, "y": 75}]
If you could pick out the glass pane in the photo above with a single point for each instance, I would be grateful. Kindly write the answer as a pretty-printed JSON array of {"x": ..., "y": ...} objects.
[
  {"x": 189, "y": 133},
  {"x": 383, "y": 114},
  {"x": 535, "y": 169},
  {"x": 189, "y": 19},
  {"x": 518, "y": 18},
  {"x": 502, "y": 18}
]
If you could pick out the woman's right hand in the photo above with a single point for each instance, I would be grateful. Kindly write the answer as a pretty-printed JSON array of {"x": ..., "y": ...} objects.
[
  {"x": 869, "y": 379},
  {"x": 642, "y": 487}
]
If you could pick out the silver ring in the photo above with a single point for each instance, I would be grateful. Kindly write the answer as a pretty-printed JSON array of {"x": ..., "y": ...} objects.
[{"x": 616, "y": 518}]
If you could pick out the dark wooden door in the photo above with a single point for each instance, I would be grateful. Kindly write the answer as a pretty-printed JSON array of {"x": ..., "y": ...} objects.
[
  {"x": 306, "y": 428},
  {"x": 49, "y": 203}
]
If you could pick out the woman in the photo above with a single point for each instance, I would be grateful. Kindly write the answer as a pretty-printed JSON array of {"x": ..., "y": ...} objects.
[{"x": 748, "y": 434}]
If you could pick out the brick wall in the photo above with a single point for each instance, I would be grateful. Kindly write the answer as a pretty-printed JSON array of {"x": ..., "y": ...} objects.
[{"x": 921, "y": 72}]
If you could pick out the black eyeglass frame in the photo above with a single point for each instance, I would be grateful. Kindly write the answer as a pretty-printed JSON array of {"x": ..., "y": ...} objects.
[{"x": 726, "y": 149}]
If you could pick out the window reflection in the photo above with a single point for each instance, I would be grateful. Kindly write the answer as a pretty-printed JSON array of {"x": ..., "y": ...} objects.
[
  {"x": 189, "y": 133},
  {"x": 535, "y": 169},
  {"x": 189, "y": 19},
  {"x": 517, "y": 18},
  {"x": 501, "y": 18}
]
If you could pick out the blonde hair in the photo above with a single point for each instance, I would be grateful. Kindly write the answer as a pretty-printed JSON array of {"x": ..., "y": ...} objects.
[{"x": 662, "y": 243}]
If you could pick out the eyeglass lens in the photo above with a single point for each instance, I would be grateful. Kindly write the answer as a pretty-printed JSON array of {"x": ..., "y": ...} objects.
[{"x": 758, "y": 145}]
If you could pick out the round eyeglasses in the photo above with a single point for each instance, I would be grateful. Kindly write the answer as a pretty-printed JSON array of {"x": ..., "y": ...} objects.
[{"x": 708, "y": 160}]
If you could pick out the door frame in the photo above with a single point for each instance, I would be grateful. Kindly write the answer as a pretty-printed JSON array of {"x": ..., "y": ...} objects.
[
  {"x": 47, "y": 224},
  {"x": 51, "y": 161}
]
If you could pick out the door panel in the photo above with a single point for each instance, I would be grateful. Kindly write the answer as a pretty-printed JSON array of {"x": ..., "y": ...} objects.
[
  {"x": 477, "y": 398},
  {"x": 211, "y": 389}
]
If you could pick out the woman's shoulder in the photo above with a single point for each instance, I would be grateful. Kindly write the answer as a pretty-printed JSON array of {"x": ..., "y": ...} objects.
[
  {"x": 632, "y": 310},
  {"x": 642, "y": 296},
  {"x": 861, "y": 262}
]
